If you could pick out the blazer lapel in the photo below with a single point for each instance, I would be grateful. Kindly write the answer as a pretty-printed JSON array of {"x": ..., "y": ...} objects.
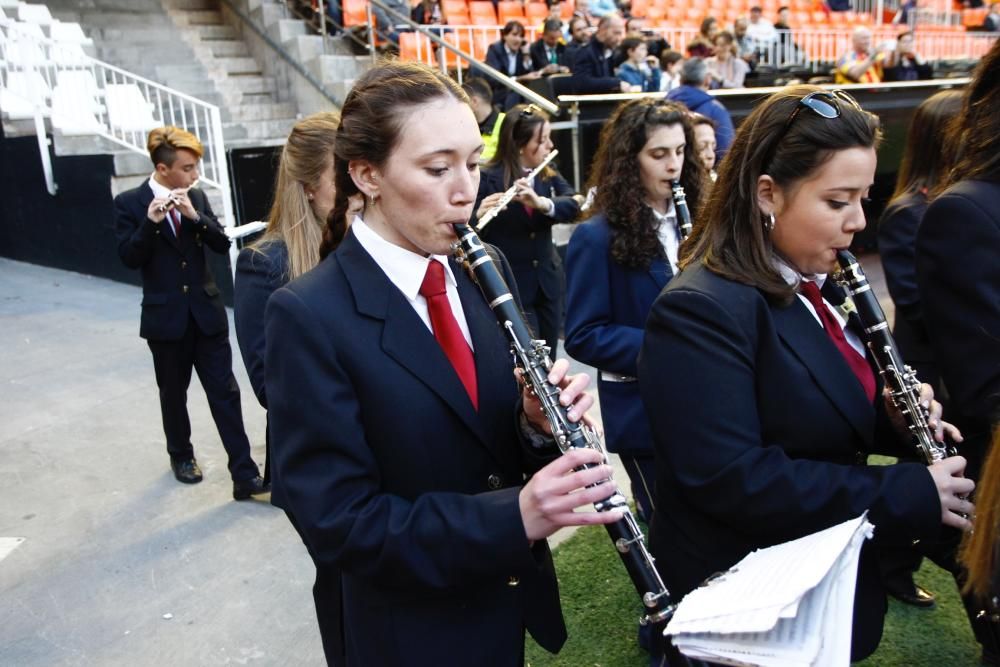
[
  {"x": 660, "y": 272},
  {"x": 809, "y": 342},
  {"x": 405, "y": 337}
]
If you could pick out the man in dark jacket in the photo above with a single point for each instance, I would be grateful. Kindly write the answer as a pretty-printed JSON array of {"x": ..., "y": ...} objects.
[
  {"x": 163, "y": 227},
  {"x": 591, "y": 66},
  {"x": 692, "y": 94}
]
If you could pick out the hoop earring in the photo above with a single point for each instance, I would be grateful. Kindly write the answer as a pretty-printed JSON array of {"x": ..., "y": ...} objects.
[
  {"x": 769, "y": 223},
  {"x": 372, "y": 198}
]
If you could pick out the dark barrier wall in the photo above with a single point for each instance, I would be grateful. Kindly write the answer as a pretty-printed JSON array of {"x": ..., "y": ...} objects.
[{"x": 73, "y": 230}]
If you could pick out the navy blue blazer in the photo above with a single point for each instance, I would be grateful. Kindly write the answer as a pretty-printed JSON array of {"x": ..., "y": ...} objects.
[
  {"x": 526, "y": 239},
  {"x": 259, "y": 272},
  {"x": 606, "y": 309},
  {"x": 176, "y": 278},
  {"x": 760, "y": 431},
  {"x": 394, "y": 477},
  {"x": 958, "y": 271},
  {"x": 897, "y": 246},
  {"x": 539, "y": 57},
  {"x": 592, "y": 72},
  {"x": 496, "y": 57}
]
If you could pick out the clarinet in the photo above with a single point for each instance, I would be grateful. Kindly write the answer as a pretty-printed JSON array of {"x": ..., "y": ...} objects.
[
  {"x": 901, "y": 380},
  {"x": 681, "y": 207},
  {"x": 532, "y": 357}
]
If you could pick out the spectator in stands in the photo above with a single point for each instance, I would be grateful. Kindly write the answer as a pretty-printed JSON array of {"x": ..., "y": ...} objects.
[
  {"x": 724, "y": 68},
  {"x": 603, "y": 8},
  {"x": 704, "y": 143},
  {"x": 670, "y": 66},
  {"x": 592, "y": 70},
  {"x": 655, "y": 42},
  {"x": 903, "y": 63},
  {"x": 760, "y": 29},
  {"x": 386, "y": 24},
  {"x": 555, "y": 11},
  {"x": 548, "y": 53},
  {"x": 837, "y": 5},
  {"x": 906, "y": 15},
  {"x": 489, "y": 117},
  {"x": 992, "y": 21},
  {"x": 788, "y": 50},
  {"x": 702, "y": 46},
  {"x": 579, "y": 36},
  {"x": 861, "y": 64},
  {"x": 582, "y": 9},
  {"x": 746, "y": 48},
  {"x": 692, "y": 94},
  {"x": 427, "y": 12},
  {"x": 640, "y": 70},
  {"x": 165, "y": 228},
  {"x": 510, "y": 56}
]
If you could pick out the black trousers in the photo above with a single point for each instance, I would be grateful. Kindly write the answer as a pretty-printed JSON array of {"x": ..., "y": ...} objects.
[
  {"x": 212, "y": 357},
  {"x": 544, "y": 317},
  {"x": 641, "y": 470}
]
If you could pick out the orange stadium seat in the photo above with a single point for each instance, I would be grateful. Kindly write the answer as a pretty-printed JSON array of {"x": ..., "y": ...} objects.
[
  {"x": 640, "y": 8},
  {"x": 355, "y": 13},
  {"x": 456, "y": 12},
  {"x": 675, "y": 15},
  {"x": 481, "y": 12},
  {"x": 819, "y": 18},
  {"x": 973, "y": 18},
  {"x": 510, "y": 10},
  {"x": 536, "y": 12},
  {"x": 413, "y": 47},
  {"x": 694, "y": 14},
  {"x": 655, "y": 15}
]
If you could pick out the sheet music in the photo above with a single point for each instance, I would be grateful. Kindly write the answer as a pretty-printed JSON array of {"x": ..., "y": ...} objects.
[{"x": 790, "y": 604}]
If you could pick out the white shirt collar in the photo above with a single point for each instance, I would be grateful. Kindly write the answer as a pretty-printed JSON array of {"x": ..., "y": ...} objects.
[
  {"x": 158, "y": 189},
  {"x": 404, "y": 268},
  {"x": 792, "y": 276}
]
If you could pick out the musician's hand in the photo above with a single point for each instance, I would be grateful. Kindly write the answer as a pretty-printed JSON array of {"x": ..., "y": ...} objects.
[
  {"x": 184, "y": 204},
  {"x": 548, "y": 499},
  {"x": 153, "y": 212},
  {"x": 526, "y": 195},
  {"x": 953, "y": 489},
  {"x": 571, "y": 396},
  {"x": 934, "y": 421},
  {"x": 489, "y": 202}
]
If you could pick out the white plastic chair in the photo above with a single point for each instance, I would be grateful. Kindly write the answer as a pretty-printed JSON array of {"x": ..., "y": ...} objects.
[
  {"x": 23, "y": 90},
  {"x": 128, "y": 110},
  {"x": 37, "y": 14},
  {"x": 76, "y": 105}
]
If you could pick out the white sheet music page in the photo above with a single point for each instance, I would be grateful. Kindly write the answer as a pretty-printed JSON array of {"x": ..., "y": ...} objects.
[{"x": 787, "y": 605}]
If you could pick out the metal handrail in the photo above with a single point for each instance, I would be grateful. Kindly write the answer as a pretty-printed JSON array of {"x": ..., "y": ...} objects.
[
  {"x": 494, "y": 74},
  {"x": 287, "y": 57},
  {"x": 109, "y": 102}
]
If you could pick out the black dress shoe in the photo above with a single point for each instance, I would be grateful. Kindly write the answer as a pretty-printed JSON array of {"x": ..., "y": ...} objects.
[
  {"x": 254, "y": 486},
  {"x": 186, "y": 471},
  {"x": 915, "y": 595}
]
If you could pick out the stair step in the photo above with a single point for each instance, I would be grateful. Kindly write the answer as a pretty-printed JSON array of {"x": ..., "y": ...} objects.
[
  {"x": 131, "y": 163},
  {"x": 258, "y": 129},
  {"x": 204, "y": 18},
  {"x": 247, "y": 84},
  {"x": 330, "y": 69},
  {"x": 247, "y": 111},
  {"x": 238, "y": 66},
  {"x": 228, "y": 49},
  {"x": 288, "y": 29},
  {"x": 189, "y": 5},
  {"x": 212, "y": 32}
]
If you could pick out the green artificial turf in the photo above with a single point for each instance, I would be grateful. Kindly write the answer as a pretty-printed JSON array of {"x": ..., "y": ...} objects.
[{"x": 602, "y": 611}]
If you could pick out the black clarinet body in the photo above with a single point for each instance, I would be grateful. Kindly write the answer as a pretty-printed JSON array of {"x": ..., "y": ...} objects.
[
  {"x": 682, "y": 210},
  {"x": 532, "y": 357},
  {"x": 900, "y": 379}
]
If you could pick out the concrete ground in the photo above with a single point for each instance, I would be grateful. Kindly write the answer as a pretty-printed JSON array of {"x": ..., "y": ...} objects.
[{"x": 104, "y": 558}]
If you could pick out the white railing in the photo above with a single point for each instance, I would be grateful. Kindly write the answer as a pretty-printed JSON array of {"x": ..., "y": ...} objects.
[{"x": 42, "y": 78}]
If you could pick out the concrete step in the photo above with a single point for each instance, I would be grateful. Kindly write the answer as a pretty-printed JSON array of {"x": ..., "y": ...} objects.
[
  {"x": 331, "y": 69},
  {"x": 120, "y": 184},
  {"x": 193, "y": 4},
  {"x": 131, "y": 163},
  {"x": 111, "y": 35},
  {"x": 246, "y": 84},
  {"x": 203, "y": 17},
  {"x": 258, "y": 129},
  {"x": 246, "y": 111},
  {"x": 268, "y": 14},
  {"x": 87, "y": 144},
  {"x": 215, "y": 32},
  {"x": 288, "y": 29},
  {"x": 237, "y": 66},
  {"x": 228, "y": 49},
  {"x": 305, "y": 47}
]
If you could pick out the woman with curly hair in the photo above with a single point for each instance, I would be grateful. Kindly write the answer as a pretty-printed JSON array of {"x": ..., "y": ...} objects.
[{"x": 620, "y": 259}]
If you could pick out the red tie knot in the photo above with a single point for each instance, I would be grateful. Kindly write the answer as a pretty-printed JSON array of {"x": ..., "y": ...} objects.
[
  {"x": 811, "y": 292},
  {"x": 433, "y": 284}
]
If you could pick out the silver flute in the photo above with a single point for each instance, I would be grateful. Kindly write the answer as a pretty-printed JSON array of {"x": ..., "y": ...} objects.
[
  {"x": 172, "y": 199},
  {"x": 900, "y": 379},
  {"x": 532, "y": 356},
  {"x": 511, "y": 192}
]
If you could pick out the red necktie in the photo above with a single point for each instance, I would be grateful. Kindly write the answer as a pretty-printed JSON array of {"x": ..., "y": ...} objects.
[
  {"x": 859, "y": 365},
  {"x": 446, "y": 329},
  {"x": 175, "y": 222}
]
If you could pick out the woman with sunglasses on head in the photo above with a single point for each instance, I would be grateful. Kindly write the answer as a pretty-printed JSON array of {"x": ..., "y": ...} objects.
[
  {"x": 403, "y": 444},
  {"x": 523, "y": 230},
  {"x": 762, "y": 404}
]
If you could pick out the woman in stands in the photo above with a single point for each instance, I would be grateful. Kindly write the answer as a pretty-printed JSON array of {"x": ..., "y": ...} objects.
[
  {"x": 510, "y": 56},
  {"x": 703, "y": 45},
  {"x": 303, "y": 198},
  {"x": 402, "y": 439},
  {"x": 762, "y": 404},
  {"x": 523, "y": 231},
  {"x": 726, "y": 69}
]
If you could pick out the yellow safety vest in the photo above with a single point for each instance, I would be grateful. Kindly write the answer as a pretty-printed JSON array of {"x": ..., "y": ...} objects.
[{"x": 491, "y": 140}]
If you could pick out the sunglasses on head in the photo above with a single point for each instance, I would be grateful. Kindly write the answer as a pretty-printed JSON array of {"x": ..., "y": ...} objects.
[
  {"x": 529, "y": 111},
  {"x": 823, "y": 103}
]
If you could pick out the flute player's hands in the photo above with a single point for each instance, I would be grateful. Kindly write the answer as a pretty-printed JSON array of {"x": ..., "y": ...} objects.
[
  {"x": 488, "y": 202},
  {"x": 153, "y": 212}
]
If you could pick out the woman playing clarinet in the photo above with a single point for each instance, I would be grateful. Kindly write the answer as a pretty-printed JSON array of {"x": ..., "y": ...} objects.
[{"x": 762, "y": 402}]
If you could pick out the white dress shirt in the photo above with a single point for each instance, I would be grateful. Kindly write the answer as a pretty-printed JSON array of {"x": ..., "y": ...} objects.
[
  {"x": 406, "y": 270},
  {"x": 667, "y": 233},
  {"x": 793, "y": 277}
]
